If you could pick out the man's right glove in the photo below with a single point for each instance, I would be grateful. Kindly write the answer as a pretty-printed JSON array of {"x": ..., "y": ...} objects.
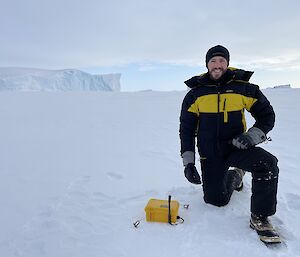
[
  {"x": 250, "y": 138},
  {"x": 192, "y": 174}
]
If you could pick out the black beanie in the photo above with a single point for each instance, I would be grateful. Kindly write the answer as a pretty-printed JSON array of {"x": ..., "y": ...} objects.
[{"x": 217, "y": 50}]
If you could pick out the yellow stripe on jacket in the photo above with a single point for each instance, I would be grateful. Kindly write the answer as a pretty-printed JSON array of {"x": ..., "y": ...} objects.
[{"x": 228, "y": 102}]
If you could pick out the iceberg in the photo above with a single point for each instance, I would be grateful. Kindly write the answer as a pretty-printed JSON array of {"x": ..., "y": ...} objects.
[{"x": 27, "y": 79}]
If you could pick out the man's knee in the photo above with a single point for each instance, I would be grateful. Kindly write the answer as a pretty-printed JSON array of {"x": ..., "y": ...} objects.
[
  {"x": 214, "y": 186},
  {"x": 266, "y": 169},
  {"x": 216, "y": 198}
]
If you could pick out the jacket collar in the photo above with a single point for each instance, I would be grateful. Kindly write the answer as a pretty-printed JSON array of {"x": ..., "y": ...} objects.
[{"x": 232, "y": 74}]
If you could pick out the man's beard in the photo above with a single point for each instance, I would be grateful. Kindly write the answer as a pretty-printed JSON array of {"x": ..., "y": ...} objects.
[{"x": 217, "y": 73}]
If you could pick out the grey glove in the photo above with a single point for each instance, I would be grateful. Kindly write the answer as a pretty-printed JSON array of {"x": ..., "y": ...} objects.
[
  {"x": 188, "y": 157},
  {"x": 190, "y": 171},
  {"x": 250, "y": 138}
]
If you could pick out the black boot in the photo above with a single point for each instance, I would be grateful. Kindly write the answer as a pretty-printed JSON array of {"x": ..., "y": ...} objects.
[{"x": 238, "y": 175}]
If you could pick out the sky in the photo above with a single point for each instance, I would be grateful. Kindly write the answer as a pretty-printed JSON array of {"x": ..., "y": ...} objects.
[{"x": 154, "y": 44}]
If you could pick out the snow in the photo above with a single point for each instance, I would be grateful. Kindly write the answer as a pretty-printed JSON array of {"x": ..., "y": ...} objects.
[
  {"x": 28, "y": 79},
  {"x": 77, "y": 169}
]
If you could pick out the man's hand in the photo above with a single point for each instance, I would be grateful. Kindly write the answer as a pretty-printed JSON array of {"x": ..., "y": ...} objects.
[
  {"x": 250, "y": 138},
  {"x": 192, "y": 174}
]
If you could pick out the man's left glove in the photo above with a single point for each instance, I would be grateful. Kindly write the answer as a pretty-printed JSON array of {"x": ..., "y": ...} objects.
[{"x": 250, "y": 138}]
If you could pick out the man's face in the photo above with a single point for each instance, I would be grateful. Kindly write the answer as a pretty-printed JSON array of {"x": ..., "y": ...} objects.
[{"x": 217, "y": 66}]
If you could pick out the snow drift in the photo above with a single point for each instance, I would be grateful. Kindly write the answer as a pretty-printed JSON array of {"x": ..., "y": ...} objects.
[{"x": 24, "y": 79}]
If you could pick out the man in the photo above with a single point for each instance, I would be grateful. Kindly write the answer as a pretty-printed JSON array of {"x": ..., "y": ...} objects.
[{"x": 213, "y": 112}]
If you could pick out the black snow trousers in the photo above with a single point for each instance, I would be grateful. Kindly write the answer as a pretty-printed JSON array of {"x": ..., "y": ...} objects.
[{"x": 219, "y": 182}]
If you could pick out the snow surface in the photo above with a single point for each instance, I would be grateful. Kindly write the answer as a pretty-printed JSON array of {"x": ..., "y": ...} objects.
[
  {"x": 77, "y": 169},
  {"x": 27, "y": 79}
]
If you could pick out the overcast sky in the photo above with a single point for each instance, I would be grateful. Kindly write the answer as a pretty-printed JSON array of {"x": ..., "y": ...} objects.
[{"x": 162, "y": 40}]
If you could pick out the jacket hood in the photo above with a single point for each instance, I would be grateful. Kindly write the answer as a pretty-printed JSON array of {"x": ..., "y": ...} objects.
[{"x": 231, "y": 74}]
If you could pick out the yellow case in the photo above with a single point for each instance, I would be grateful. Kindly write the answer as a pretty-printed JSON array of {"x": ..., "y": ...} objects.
[{"x": 158, "y": 210}]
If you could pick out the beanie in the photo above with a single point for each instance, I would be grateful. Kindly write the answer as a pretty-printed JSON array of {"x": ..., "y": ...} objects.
[{"x": 217, "y": 50}]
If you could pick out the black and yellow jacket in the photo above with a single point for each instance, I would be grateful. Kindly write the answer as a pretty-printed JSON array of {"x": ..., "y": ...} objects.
[{"x": 214, "y": 112}]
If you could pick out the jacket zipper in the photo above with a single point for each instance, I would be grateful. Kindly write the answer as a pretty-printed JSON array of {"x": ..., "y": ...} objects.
[
  {"x": 225, "y": 112},
  {"x": 218, "y": 120}
]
